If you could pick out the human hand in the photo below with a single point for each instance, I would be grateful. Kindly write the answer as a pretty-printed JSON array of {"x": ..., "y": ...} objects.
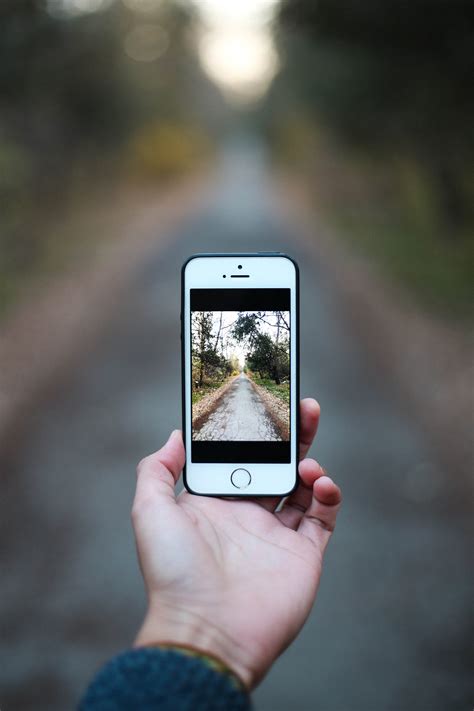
[{"x": 231, "y": 577}]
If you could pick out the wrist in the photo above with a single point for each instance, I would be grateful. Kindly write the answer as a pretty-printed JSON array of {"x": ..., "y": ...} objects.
[{"x": 174, "y": 627}]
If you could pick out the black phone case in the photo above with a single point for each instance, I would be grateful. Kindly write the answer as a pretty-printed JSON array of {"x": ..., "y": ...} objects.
[{"x": 183, "y": 356}]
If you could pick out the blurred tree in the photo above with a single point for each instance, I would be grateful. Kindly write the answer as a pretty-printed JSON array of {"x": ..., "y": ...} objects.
[
  {"x": 59, "y": 85},
  {"x": 86, "y": 96},
  {"x": 233, "y": 365},
  {"x": 394, "y": 76}
]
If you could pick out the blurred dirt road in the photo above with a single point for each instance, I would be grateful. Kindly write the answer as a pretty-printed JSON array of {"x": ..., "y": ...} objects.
[{"x": 388, "y": 632}]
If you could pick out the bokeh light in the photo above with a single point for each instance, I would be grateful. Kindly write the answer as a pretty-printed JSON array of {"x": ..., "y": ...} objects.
[
  {"x": 146, "y": 43},
  {"x": 144, "y": 7},
  {"x": 241, "y": 63},
  {"x": 236, "y": 47}
]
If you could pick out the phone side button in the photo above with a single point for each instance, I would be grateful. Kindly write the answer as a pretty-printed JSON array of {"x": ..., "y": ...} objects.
[{"x": 240, "y": 478}]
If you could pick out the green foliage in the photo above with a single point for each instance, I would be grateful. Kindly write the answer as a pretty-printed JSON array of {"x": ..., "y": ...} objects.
[
  {"x": 246, "y": 328},
  {"x": 210, "y": 368},
  {"x": 392, "y": 69},
  {"x": 282, "y": 391},
  {"x": 59, "y": 79},
  {"x": 391, "y": 77},
  {"x": 78, "y": 112},
  {"x": 262, "y": 355},
  {"x": 374, "y": 107},
  {"x": 269, "y": 357},
  {"x": 438, "y": 273}
]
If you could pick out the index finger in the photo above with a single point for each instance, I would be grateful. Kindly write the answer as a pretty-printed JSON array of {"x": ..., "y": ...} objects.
[{"x": 309, "y": 420}]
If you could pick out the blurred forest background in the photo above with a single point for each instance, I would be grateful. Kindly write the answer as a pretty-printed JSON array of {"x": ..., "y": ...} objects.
[
  {"x": 134, "y": 133},
  {"x": 381, "y": 93},
  {"x": 371, "y": 103},
  {"x": 93, "y": 94}
]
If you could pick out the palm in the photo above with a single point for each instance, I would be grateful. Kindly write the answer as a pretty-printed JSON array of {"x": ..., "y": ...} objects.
[
  {"x": 260, "y": 566},
  {"x": 247, "y": 572},
  {"x": 256, "y": 569}
]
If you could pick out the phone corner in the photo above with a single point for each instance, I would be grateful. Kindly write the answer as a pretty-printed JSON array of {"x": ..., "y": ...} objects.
[
  {"x": 293, "y": 488},
  {"x": 185, "y": 482},
  {"x": 291, "y": 259},
  {"x": 187, "y": 261},
  {"x": 187, "y": 486}
]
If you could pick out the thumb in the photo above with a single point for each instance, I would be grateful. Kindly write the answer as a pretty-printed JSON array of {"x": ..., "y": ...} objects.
[{"x": 158, "y": 473}]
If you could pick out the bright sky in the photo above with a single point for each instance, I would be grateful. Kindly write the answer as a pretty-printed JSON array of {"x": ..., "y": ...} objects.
[
  {"x": 228, "y": 318},
  {"x": 236, "y": 47}
]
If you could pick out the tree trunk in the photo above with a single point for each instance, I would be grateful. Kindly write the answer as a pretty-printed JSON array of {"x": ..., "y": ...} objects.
[
  {"x": 201, "y": 354},
  {"x": 276, "y": 377},
  {"x": 218, "y": 334}
]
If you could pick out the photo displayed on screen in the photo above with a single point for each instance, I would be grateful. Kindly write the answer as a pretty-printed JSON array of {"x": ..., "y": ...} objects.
[
  {"x": 239, "y": 360},
  {"x": 240, "y": 376}
]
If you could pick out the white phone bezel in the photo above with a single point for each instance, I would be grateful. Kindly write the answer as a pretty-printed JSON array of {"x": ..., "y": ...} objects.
[{"x": 206, "y": 272}]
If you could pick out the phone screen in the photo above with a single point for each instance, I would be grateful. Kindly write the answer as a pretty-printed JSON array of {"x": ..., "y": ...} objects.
[{"x": 240, "y": 368}]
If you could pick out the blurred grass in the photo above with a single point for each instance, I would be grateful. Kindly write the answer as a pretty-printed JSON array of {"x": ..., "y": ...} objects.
[
  {"x": 437, "y": 273},
  {"x": 54, "y": 238},
  {"x": 47, "y": 232},
  {"x": 399, "y": 225}
]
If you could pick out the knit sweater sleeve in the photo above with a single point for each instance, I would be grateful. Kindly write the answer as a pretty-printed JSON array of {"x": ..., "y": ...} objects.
[{"x": 154, "y": 679}]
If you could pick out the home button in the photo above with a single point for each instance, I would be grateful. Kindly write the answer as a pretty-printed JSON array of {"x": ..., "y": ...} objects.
[{"x": 240, "y": 478}]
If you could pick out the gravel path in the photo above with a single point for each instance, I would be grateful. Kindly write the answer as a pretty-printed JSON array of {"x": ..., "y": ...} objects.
[{"x": 241, "y": 415}]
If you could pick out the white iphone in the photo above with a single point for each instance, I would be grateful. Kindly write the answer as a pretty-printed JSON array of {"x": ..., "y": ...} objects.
[{"x": 239, "y": 332}]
